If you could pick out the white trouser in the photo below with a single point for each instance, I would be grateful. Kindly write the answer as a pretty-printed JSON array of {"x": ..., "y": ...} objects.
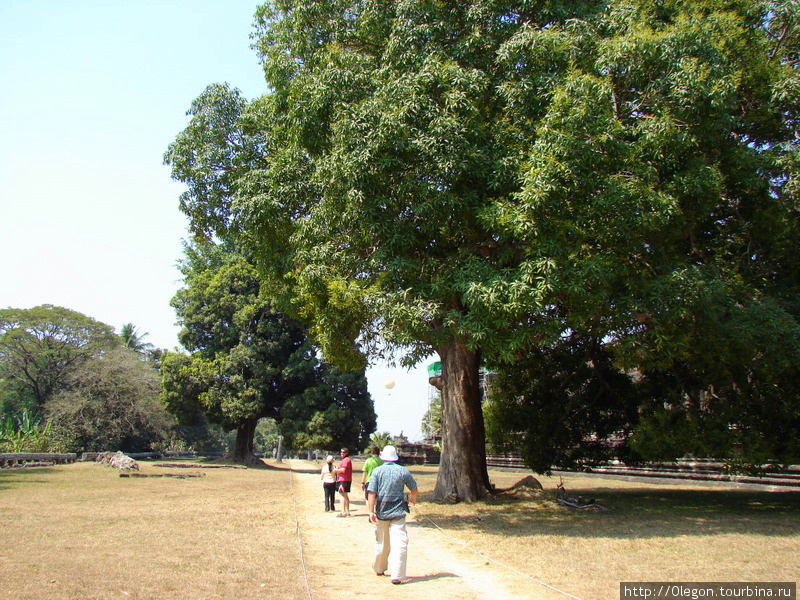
[{"x": 391, "y": 547}]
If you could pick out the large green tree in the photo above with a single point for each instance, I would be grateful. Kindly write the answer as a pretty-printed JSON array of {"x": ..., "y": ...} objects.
[
  {"x": 245, "y": 356},
  {"x": 659, "y": 207},
  {"x": 335, "y": 410},
  {"x": 40, "y": 346},
  {"x": 184, "y": 380},
  {"x": 482, "y": 177},
  {"x": 249, "y": 360}
]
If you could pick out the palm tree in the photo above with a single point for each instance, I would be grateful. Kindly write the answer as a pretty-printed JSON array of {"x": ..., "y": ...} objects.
[
  {"x": 134, "y": 340},
  {"x": 380, "y": 439}
]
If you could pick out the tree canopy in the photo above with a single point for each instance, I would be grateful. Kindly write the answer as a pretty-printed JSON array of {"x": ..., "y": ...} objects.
[
  {"x": 482, "y": 179},
  {"x": 39, "y": 347},
  {"x": 110, "y": 402},
  {"x": 133, "y": 339},
  {"x": 659, "y": 202},
  {"x": 250, "y": 361},
  {"x": 334, "y": 411}
]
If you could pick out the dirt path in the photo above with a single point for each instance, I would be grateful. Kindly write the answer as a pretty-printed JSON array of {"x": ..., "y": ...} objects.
[{"x": 338, "y": 552}]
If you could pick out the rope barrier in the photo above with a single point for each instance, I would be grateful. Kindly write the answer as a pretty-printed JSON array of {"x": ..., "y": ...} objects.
[
  {"x": 490, "y": 559},
  {"x": 297, "y": 530}
]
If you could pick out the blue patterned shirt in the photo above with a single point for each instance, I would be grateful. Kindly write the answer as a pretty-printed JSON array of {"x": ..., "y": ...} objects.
[{"x": 388, "y": 481}]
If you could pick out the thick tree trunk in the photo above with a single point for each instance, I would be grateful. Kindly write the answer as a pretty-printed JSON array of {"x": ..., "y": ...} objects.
[
  {"x": 462, "y": 471},
  {"x": 243, "y": 447}
]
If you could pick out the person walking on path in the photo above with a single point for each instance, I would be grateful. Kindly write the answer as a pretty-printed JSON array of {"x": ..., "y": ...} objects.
[
  {"x": 387, "y": 510},
  {"x": 344, "y": 479},
  {"x": 369, "y": 465},
  {"x": 329, "y": 483}
]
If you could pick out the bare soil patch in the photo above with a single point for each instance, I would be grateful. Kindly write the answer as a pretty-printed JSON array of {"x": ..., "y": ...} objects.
[
  {"x": 517, "y": 543},
  {"x": 339, "y": 552}
]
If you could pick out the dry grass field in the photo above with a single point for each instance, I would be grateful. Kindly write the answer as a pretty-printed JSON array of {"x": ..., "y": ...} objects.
[
  {"x": 652, "y": 531},
  {"x": 82, "y": 531}
]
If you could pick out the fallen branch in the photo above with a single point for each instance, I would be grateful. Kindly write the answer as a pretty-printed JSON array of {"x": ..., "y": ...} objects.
[
  {"x": 575, "y": 501},
  {"x": 580, "y": 506}
]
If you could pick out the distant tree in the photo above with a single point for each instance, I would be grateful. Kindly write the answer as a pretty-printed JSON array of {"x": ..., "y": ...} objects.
[
  {"x": 134, "y": 340},
  {"x": 27, "y": 433},
  {"x": 16, "y": 398},
  {"x": 267, "y": 434},
  {"x": 40, "y": 346},
  {"x": 110, "y": 402},
  {"x": 570, "y": 406},
  {"x": 155, "y": 356},
  {"x": 380, "y": 439},
  {"x": 184, "y": 379},
  {"x": 249, "y": 361},
  {"x": 432, "y": 419},
  {"x": 335, "y": 410}
]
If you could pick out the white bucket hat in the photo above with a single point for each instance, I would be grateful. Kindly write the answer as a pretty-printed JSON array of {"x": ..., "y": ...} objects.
[
  {"x": 389, "y": 454},
  {"x": 329, "y": 459}
]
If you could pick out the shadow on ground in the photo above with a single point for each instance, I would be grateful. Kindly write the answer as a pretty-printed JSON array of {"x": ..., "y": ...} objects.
[
  {"x": 26, "y": 475},
  {"x": 631, "y": 513}
]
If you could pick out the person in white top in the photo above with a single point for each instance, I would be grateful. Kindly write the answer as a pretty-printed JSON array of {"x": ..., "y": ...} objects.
[{"x": 329, "y": 483}]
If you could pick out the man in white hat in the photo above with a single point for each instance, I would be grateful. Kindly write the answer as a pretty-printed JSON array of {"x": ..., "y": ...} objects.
[{"x": 387, "y": 510}]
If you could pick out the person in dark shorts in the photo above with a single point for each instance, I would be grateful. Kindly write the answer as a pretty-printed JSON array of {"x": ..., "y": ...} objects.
[{"x": 344, "y": 479}]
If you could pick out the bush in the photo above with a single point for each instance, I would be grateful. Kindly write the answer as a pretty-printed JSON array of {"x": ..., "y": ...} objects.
[
  {"x": 27, "y": 434},
  {"x": 111, "y": 403}
]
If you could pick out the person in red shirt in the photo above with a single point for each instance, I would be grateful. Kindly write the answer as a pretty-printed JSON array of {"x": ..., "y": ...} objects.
[{"x": 344, "y": 478}]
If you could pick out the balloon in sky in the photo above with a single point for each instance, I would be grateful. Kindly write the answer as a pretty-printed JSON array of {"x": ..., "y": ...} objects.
[{"x": 389, "y": 384}]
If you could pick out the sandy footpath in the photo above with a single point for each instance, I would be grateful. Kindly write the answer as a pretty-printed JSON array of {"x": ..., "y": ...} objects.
[{"x": 338, "y": 554}]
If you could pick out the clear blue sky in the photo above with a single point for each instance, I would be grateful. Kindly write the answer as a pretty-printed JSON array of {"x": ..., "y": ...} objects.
[{"x": 91, "y": 94}]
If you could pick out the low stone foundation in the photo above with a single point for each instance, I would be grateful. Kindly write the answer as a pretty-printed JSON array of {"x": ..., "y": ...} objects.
[{"x": 18, "y": 459}]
